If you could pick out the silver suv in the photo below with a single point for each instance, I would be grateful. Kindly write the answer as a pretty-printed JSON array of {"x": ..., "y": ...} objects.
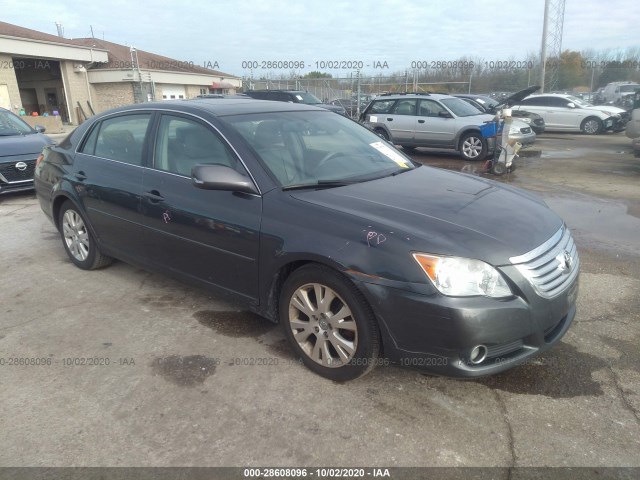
[{"x": 433, "y": 120}]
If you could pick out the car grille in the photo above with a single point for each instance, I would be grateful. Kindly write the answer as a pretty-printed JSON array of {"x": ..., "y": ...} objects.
[
  {"x": 525, "y": 130},
  {"x": 551, "y": 267},
  {"x": 10, "y": 173}
]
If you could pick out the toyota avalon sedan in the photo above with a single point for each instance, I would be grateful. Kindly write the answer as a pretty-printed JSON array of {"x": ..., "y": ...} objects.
[{"x": 320, "y": 225}]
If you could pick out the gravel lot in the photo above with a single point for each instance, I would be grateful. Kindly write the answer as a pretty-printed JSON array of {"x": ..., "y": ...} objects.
[{"x": 192, "y": 380}]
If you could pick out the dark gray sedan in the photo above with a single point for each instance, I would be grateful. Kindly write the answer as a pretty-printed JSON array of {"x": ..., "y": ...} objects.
[
  {"x": 20, "y": 145},
  {"x": 317, "y": 223}
]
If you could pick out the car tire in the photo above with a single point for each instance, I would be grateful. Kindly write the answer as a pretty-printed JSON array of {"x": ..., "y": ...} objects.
[
  {"x": 591, "y": 126},
  {"x": 343, "y": 353},
  {"x": 383, "y": 133},
  {"x": 473, "y": 147},
  {"x": 78, "y": 240}
]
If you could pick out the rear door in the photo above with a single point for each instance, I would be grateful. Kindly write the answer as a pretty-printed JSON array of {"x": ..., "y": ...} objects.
[
  {"x": 108, "y": 169},
  {"x": 211, "y": 236},
  {"x": 543, "y": 106},
  {"x": 401, "y": 122}
]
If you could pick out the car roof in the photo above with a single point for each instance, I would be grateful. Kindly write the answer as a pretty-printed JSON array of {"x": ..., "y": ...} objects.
[
  {"x": 396, "y": 96},
  {"x": 221, "y": 106}
]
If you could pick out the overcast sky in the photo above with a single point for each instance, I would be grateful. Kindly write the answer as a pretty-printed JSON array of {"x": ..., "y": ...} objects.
[{"x": 394, "y": 31}]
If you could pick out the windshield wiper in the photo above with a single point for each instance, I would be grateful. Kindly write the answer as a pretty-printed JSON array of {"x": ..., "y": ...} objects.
[{"x": 318, "y": 184}]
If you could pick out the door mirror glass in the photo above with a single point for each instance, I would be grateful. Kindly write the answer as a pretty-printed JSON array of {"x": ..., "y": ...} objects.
[{"x": 219, "y": 177}]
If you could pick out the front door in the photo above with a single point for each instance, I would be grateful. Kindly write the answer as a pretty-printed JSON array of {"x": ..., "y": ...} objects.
[{"x": 212, "y": 236}]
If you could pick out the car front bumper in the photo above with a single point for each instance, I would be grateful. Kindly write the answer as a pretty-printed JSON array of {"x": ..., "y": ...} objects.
[{"x": 437, "y": 334}]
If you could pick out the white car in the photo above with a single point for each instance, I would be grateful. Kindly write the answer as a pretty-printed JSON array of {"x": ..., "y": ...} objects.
[{"x": 567, "y": 113}]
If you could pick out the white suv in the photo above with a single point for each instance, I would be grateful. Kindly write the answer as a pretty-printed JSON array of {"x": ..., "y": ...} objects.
[{"x": 567, "y": 113}]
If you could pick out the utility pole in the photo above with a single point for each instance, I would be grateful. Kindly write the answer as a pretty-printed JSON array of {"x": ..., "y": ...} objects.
[{"x": 551, "y": 43}]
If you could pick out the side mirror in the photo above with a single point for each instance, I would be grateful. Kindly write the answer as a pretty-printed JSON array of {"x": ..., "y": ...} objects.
[
  {"x": 444, "y": 114},
  {"x": 571, "y": 105},
  {"x": 219, "y": 177},
  {"x": 39, "y": 129}
]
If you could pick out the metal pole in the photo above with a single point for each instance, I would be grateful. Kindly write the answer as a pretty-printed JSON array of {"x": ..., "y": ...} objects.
[
  {"x": 358, "y": 97},
  {"x": 543, "y": 51}
]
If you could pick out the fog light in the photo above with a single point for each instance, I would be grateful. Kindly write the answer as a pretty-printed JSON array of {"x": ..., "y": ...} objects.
[{"x": 478, "y": 354}]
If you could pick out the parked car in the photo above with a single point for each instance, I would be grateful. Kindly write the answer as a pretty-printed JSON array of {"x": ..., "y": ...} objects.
[
  {"x": 294, "y": 96},
  {"x": 615, "y": 92},
  {"x": 350, "y": 105},
  {"x": 633, "y": 127},
  {"x": 20, "y": 145},
  {"x": 491, "y": 105},
  {"x": 436, "y": 121},
  {"x": 313, "y": 221},
  {"x": 563, "y": 112}
]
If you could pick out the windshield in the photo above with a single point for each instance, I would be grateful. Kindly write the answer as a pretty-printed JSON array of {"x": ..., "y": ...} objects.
[
  {"x": 11, "y": 124},
  {"x": 307, "y": 98},
  {"x": 311, "y": 148},
  {"x": 579, "y": 101},
  {"x": 460, "y": 108}
]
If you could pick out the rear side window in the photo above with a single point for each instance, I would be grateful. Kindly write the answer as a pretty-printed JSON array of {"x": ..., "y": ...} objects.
[
  {"x": 381, "y": 106},
  {"x": 119, "y": 138},
  {"x": 405, "y": 107}
]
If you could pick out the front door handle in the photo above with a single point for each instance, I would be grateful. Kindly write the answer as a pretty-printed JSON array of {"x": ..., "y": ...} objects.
[
  {"x": 80, "y": 175},
  {"x": 153, "y": 196},
  {"x": 389, "y": 119},
  {"x": 421, "y": 121}
]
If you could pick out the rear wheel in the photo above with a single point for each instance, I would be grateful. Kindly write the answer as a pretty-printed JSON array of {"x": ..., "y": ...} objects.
[
  {"x": 591, "y": 126},
  {"x": 383, "y": 133},
  {"x": 78, "y": 240},
  {"x": 473, "y": 146},
  {"x": 329, "y": 323}
]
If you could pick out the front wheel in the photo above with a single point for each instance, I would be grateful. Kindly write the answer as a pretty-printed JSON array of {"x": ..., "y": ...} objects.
[
  {"x": 591, "y": 126},
  {"x": 78, "y": 240},
  {"x": 329, "y": 323},
  {"x": 473, "y": 147}
]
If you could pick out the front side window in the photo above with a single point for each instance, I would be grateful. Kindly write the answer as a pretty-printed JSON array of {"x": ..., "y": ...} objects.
[
  {"x": 183, "y": 143},
  {"x": 429, "y": 108},
  {"x": 119, "y": 138}
]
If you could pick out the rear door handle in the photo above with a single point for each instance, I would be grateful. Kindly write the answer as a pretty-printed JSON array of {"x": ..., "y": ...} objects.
[
  {"x": 153, "y": 196},
  {"x": 420, "y": 121},
  {"x": 80, "y": 175},
  {"x": 389, "y": 119}
]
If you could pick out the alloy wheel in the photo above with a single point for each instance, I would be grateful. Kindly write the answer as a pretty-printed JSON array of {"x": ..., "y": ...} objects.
[
  {"x": 76, "y": 236},
  {"x": 323, "y": 325}
]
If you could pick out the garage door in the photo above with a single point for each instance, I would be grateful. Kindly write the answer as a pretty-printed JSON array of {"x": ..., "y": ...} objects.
[{"x": 173, "y": 92}]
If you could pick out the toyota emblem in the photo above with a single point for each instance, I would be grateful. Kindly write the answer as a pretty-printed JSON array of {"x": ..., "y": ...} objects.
[
  {"x": 564, "y": 262},
  {"x": 21, "y": 166}
]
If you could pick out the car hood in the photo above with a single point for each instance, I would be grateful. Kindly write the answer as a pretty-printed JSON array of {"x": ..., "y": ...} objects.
[
  {"x": 333, "y": 108},
  {"x": 31, "y": 144},
  {"x": 444, "y": 212},
  {"x": 606, "y": 108},
  {"x": 517, "y": 97}
]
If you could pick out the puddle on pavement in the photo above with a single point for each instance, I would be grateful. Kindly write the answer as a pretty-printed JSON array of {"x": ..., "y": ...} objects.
[
  {"x": 606, "y": 223},
  {"x": 184, "y": 371},
  {"x": 234, "y": 324},
  {"x": 562, "y": 372}
]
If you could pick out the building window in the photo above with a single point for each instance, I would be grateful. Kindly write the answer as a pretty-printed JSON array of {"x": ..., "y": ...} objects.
[{"x": 203, "y": 91}]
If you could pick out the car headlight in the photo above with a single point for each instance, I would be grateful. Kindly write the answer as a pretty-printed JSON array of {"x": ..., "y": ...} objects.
[
  {"x": 463, "y": 277},
  {"x": 514, "y": 130}
]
